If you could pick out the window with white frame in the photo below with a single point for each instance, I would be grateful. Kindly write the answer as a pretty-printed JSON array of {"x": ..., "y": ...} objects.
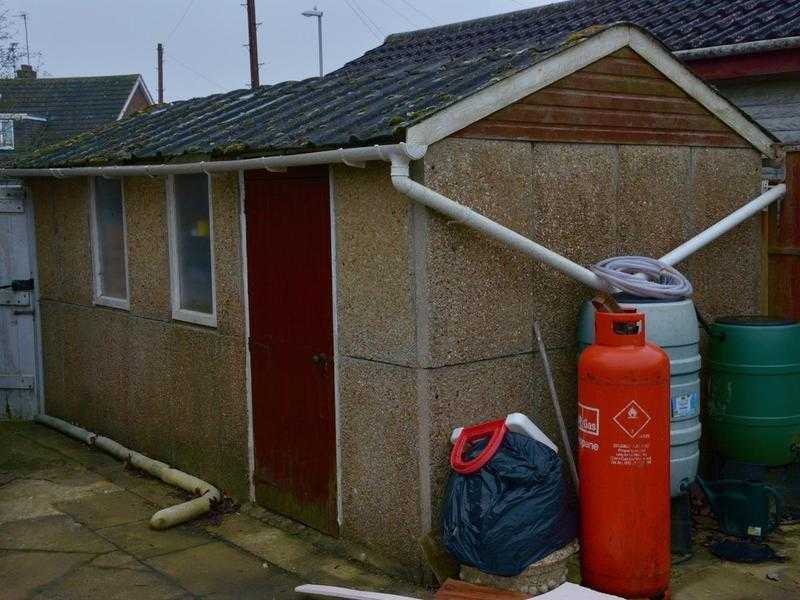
[
  {"x": 6, "y": 134},
  {"x": 191, "y": 249},
  {"x": 109, "y": 243}
]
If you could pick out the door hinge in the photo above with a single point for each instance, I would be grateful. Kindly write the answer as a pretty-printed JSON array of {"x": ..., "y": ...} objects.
[{"x": 19, "y": 285}]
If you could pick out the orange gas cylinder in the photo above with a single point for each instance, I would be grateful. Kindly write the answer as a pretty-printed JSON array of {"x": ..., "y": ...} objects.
[{"x": 623, "y": 460}]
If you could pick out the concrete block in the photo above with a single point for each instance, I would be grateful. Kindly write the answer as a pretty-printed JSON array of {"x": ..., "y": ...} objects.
[
  {"x": 227, "y": 254},
  {"x": 653, "y": 199},
  {"x": 478, "y": 299},
  {"x": 148, "y": 249},
  {"x": 379, "y": 439},
  {"x": 726, "y": 274},
  {"x": 375, "y": 276}
]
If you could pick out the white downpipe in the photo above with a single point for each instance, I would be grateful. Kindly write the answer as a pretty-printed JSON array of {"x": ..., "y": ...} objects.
[
  {"x": 720, "y": 228},
  {"x": 354, "y": 157},
  {"x": 458, "y": 212},
  {"x": 167, "y": 517}
]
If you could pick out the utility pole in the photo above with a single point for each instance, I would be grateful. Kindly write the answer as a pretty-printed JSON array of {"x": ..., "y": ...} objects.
[
  {"x": 252, "y": 28},
  {"x": 160, "y": 51},
  {"x": 24, "y": 16}
]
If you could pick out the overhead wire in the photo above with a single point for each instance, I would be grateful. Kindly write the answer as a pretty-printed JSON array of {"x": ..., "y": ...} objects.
[
  {"x": 180, "y": 63},
  {"x": 180, "y": 20},
  {"x": 366, "y": 23},
  {"x": 424, "y": 15},
  {"x": 363, "y": 11},
  {"x": 399, "y": 13}
]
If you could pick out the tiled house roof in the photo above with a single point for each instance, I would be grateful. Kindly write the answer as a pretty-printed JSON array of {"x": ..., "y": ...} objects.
[
  {"x": 71, "y": 105},
  {"x": 376, "y": 97}
]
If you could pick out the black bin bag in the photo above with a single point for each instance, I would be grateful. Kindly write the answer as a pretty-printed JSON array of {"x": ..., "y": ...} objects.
[{"x": 512, "y": 511}]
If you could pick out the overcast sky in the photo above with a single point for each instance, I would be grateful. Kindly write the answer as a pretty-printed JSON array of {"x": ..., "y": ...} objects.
[{"x": 204, "y": 39}]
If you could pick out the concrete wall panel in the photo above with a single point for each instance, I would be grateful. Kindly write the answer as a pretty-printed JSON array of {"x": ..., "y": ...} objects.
[
  {"x": 478, "y": 292},
  {"x": 162, "y": 387},
  {"x": 148, "y": 246},
  {"x": 374, "y": 266},
  {"x": 487, "y": 390},
  {"x": 227, "y": 254},
  {"x": 654, "y": 189},
  {"x": 574, "y": 212},
  {"x": 380, "y": 454},
  {"x": 727, "y": 274},
  {"x": 46, "y": 237}
]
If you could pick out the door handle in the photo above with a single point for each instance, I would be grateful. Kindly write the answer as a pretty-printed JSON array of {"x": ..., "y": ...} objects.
[{"x": 319, "y": 359}]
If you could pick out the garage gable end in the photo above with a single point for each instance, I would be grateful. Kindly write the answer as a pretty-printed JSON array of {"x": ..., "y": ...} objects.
[
  {"x": 639, "y": 65},
  {"x": 618, "y": 99}
]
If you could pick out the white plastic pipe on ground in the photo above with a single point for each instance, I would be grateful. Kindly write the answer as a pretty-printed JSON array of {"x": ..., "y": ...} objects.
[{"x": 206, "y": 493}]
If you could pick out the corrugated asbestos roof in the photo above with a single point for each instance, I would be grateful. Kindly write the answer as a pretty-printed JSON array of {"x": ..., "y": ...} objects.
[
  {"x": 374, "y": 98},
  {"x": 71, "y": 105}
]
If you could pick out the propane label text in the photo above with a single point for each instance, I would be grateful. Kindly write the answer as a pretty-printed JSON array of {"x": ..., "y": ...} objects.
[
  {"x": 631, "y": 455},
  {"x": 588, "y": 419}
]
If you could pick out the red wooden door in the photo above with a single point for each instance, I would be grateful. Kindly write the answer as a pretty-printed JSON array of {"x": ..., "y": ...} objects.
[{"x": 291, "y": 343}]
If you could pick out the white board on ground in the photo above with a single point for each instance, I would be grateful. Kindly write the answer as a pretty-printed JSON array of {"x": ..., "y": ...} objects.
[
  {"x": 567, "y": 591},
  {"x": 570, "y": 591},
  {"x": 327, "y": 591}
]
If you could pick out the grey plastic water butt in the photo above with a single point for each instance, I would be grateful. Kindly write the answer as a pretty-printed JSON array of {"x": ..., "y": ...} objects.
[{"x": 673, "y": 326}]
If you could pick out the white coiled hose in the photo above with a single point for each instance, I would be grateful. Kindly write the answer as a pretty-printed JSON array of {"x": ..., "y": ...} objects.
[{"x": 644, "y": 277}]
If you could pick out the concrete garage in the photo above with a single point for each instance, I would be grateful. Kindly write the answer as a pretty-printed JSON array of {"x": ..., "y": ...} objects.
[{"x": 297, "y": 331}]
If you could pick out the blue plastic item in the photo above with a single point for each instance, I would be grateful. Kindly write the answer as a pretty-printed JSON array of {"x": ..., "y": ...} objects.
[{"x": 512, "y": 512}]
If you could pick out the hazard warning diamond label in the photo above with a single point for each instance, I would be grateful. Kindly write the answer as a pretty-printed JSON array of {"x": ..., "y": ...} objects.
[{"x": 632, "y": 419}]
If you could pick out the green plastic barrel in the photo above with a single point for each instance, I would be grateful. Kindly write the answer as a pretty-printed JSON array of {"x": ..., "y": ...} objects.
[{"x": 754, "y": 400}]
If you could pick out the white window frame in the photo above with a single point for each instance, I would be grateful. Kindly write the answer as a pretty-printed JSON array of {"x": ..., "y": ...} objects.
[
  {"x": 13, "y": 134},
  {"x": 98, "y": 297},
  {"x": 178, "y": 313}
]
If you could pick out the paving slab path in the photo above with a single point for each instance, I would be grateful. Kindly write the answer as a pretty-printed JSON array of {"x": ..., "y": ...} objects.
[{"x": 74, "y": 525}]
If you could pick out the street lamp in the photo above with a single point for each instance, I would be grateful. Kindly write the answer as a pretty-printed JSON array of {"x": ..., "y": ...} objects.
[{"x": 318, "y": 14}]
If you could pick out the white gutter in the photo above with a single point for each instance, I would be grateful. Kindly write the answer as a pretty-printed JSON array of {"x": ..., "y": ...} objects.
[
  {"x": 704, "y": 238},
  {"x": 739, "y": 49},
  {"x": 355, "y": 157}
]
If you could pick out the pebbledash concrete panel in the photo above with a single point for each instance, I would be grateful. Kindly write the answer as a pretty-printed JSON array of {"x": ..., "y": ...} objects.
[
  {"x": 148, "y": 253},
  {"x": 653, "y": 182},
  {"x": 154, "y": 384},
  {"x": 228, "y": 254},
  {"x": 434, "y": 321},
  {"x": 727, "y": 274},
  {"x": 380, "y": 447},
  {"x": 490, "y": 389},
  {"x": 477, "y": 298},
  {"x": 374, "y": 267},
  {"x": 43, "y": 190}
]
